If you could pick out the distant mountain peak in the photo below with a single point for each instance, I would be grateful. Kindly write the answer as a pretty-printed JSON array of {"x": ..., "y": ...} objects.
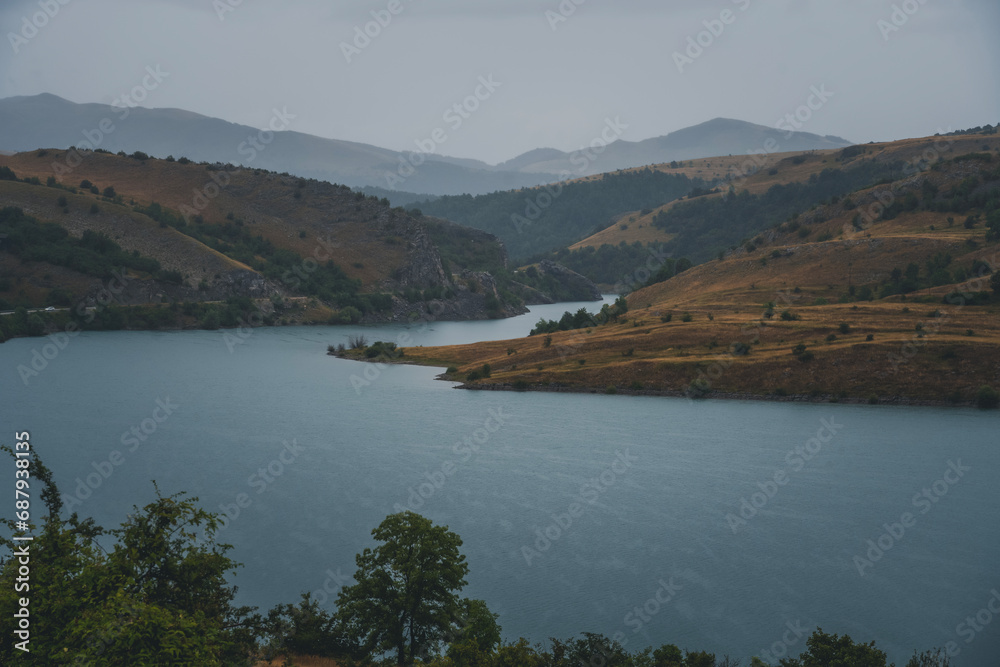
[{"x": 49, "y": 121}]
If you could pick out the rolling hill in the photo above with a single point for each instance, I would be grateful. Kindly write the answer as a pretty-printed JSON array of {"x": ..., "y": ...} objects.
[
  {"x": 888, "y": 293},
  {"x": 204, "y": 233}
]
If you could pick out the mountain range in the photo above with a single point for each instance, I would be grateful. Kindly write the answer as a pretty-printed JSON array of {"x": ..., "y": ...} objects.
[{"x": 46, "y": 120}]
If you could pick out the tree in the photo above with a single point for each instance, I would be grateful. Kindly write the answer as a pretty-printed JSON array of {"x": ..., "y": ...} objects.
[
  {"x": 476, "y": 636},
  {"x": 305, "y": 629},
  {"x": 156, "y": 596},
  {"x": 825, "y": 650},
  {"x": 995, "y": 283},
  {"x": 406, "y": 595}
]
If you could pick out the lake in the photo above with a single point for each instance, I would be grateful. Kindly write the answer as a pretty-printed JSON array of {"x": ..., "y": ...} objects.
[{"x": 734, "y": 527}]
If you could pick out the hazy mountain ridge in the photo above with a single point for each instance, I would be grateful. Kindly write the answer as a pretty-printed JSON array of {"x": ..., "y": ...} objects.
[{"x": 46, "y": 120}]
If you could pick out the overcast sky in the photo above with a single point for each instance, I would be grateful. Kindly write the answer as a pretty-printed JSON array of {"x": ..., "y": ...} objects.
[{"x": 933, "y": 64}]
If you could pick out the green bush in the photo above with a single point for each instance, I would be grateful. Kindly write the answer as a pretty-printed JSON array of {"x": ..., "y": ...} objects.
[{"x": 987, "y": 397}]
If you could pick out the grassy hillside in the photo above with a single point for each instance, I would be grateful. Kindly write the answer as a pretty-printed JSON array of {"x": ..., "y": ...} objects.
[
  {"x": 229, "y": 232},
  {"x": 886, "y": 294},
  {"x": 757, "y": 192},
  {"x": 548, "y": 218}
]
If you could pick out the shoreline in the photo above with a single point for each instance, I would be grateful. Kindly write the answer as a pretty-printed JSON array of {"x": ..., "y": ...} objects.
[
  {"x": 722, "y": 395},
  {"x": 667, "y": 393}
]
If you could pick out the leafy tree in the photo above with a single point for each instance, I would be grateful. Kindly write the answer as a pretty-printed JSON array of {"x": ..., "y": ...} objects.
[
  {"x": 305, "y": 629},
  {"x": 478, "y": 631},
  {"x": 406, "y": 595},
  {"x": 824, "y": 650},
  {"x": 935, "y": 658},
  {"x": 156, "y": 597},
  {"x": 668, "y": 655}
]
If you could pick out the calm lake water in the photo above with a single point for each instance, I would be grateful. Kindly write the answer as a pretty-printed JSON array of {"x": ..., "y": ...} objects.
[{"x": 607, "y": 514}]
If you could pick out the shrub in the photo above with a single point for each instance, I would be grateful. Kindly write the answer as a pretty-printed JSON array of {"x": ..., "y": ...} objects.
[
  {"x": 472, "y": 376},
  {"x": 987, "y": 398},
  {"x": 789, "y": 316},
  {"x": 94, "y": 209},
  {"x": 686, "y": 317},
  {"x": 666, "y": 317},
  {"x": 830, "y": 338},
  {"x": 844, "y": 328},
  {"x": 806, "y": 356},
  {"x": 870, "y": 337}
]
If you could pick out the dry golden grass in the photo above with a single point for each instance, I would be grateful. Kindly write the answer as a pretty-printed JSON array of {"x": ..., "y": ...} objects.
[
  {"x": 735, "y": 170},
  {"x": 726, "y": 300},
  {"x": 364, "y": 240},
  {"x": 667, "y": 357}
]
